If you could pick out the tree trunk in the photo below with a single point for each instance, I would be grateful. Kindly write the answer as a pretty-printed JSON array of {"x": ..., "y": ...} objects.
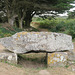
[
  {"x": 11, "y": 21},
  {"x": 21, "y": 24},
  {"x": 27, "y": 23},
  {"x": 28, "y": 19}
]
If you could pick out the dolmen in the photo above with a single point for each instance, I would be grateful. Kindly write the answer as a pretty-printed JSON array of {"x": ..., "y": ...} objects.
[{"x": 56, "y": 45}]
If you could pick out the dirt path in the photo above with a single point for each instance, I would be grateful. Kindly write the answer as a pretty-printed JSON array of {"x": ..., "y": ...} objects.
[
  {"x": 36, "y": 25},
  {"x": 6, "y": 69}
]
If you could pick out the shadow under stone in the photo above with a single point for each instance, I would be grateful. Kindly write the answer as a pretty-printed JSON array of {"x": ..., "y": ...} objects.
[{"x": 32, "y": 60}]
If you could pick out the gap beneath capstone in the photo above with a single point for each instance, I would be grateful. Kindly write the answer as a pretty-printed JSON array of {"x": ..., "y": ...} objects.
[
  {"x": 32, "y": 60},
  {"x": 44, "y": 59}
]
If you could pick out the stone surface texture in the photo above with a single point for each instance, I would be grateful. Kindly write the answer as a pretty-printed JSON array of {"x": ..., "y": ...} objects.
[
  {"x": 24, "y": 42},
  {"x": 57, "y": 59}
]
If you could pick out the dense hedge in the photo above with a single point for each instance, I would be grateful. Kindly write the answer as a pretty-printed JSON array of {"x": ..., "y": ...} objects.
[{"x": 59, "y": 25}]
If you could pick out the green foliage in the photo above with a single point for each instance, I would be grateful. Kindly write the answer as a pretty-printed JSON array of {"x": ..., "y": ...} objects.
[
  {"x": 8, "y": 32},
  {"x": 50, "y": 24},
  {"x": 66, "y": 66},
  {"x": 71, "y": 15},
  {"x": 37, "y": 19},
  {"x": 70, "y": 27},
  {"x": 26, "y": 9},
  {"x": 60, "y": 25}
]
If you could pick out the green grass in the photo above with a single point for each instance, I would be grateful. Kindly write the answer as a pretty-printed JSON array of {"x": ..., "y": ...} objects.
[
  {"x": 66, "y": 66},
  {"x": 17, "y": 65},
  {"x": 7, "y": 31},
  {"x": 37, "y": 19},
  {"x": 74, "y": 40}
]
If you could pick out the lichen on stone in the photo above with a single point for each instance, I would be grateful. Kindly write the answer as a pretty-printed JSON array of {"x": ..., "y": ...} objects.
[{"x": 54, "y": 58}]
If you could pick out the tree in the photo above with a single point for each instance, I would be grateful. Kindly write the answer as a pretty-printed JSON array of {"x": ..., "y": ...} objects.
[
  {"x": 26, "y": 9},
  {"x": 8, "y": 7},
  {"x": 22, "y": 7},
  {"x": 71, "y": 15},
  {"x": 41, "y": 6}
]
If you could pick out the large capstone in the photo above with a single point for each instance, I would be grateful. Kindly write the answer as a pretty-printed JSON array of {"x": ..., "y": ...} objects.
[{"x": 24, "y": 42}]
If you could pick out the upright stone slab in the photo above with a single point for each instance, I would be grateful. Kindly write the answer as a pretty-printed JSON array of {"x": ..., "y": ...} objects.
[
  {"x": 24, "y": 42},
  {"x": 8, "y": 57},
  {"x": 57, "y": 59}
]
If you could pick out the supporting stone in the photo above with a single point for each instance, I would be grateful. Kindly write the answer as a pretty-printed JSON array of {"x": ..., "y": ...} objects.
[
  {"x": 8, "y": 57},
  {"x": 71, "y": 58},
  {"x": 57, "y": 59}
]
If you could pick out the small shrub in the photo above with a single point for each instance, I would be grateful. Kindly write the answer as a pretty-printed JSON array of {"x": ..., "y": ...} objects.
[
  {"x": 60, "y": 26},
  {"x": 48, "y": 24}
]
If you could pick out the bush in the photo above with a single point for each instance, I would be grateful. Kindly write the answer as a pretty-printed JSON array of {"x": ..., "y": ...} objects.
[
  {"x": 70, "y": 27},
  {"x": 48, "y": 24},
  {"x": 60, "y": 25}
]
